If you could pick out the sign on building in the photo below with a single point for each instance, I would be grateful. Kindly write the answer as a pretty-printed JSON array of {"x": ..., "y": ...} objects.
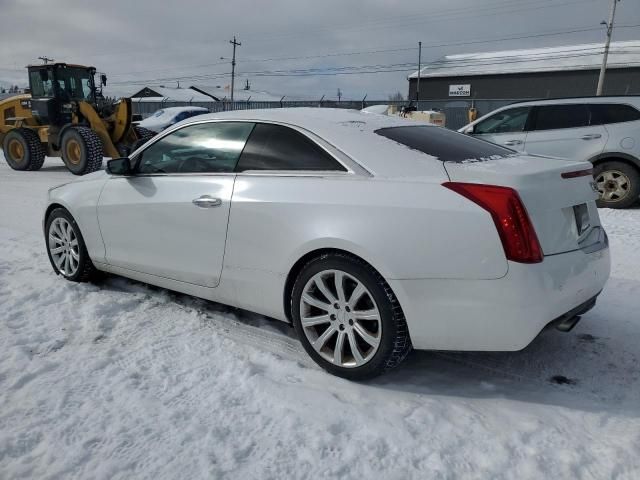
[{"x": 460, "y": 90}]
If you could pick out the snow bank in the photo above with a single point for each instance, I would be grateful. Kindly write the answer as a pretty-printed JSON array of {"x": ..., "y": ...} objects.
[{"x": 121, "y": 380}]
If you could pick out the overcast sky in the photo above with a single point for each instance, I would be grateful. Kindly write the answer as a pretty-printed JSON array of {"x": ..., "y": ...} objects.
[{"x": 153, "y": 42}]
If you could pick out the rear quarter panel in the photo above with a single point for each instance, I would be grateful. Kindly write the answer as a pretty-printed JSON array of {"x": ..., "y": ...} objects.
[{"x": 405, "y": 229}]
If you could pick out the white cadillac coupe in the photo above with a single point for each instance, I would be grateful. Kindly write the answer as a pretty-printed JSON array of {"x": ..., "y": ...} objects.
[{"x": 371, "y": 234}]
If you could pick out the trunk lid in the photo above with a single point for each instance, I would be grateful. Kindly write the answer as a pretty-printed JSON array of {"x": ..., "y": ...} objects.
[{"x": 562, "y": 210}]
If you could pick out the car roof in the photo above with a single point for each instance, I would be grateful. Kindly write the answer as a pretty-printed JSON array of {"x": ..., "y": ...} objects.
[
  {"x": 311, "y": 118},
  {"x": 350, "y": 131},
  {"x": 183, "y": 109},
  {"x": 632, "y": 99}
]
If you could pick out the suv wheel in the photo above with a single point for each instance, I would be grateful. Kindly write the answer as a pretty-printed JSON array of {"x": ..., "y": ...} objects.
[{"x": 618, "y": 184}]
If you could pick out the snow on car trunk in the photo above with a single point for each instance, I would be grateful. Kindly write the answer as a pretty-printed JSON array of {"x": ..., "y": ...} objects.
[{"x": 557, "y": 195}]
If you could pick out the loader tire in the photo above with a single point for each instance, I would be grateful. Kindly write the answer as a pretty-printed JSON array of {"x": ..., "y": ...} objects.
[
  {"x": 81, "y": 150},
  {"x": 143, "y": 135},
  {"x": 23, "y": 149}
]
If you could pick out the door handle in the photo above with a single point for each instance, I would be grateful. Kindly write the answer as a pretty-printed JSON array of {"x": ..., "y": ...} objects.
[
  {"x": 513, "y": 142},
  {"x": 206, "y": 201},
  {"x": 591, "y": 136}
]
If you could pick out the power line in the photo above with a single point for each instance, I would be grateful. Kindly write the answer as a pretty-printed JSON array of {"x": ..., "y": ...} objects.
[{"x": 403, "y": 67}]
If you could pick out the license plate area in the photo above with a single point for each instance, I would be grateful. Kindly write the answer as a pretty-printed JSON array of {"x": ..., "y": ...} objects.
[{"x": 583, "y": 219}]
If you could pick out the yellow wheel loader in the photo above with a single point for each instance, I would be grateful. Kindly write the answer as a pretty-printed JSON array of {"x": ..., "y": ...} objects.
[{"x": 66, "y": 115}]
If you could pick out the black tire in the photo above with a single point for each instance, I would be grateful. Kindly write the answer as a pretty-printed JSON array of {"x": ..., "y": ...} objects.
[
  {"x": 81, "y": 150},
  {"x": 28, "y": 144},
  {"x": 123, "y": 150},
  {"x": 143, "y": 134},
  {"x": 395, "y": 342},
  {"x": 86, "y": 271},
  {"x": 617, "y": 172}
]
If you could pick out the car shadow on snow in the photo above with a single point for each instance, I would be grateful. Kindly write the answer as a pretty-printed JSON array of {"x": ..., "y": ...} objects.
[
  {"x": 576, "y": 370},
  {"x": 595, "y": 367}
]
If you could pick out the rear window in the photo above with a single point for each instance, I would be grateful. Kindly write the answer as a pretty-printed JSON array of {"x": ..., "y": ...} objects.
[
  {"x": 613, "y": 113},
  {"x": 444, "y": 144},
  {"x": 553, "y": 117}
]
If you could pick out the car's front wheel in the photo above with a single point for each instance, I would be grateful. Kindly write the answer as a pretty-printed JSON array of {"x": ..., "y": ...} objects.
[
  {"x": 348, "y": 318},
  {"x": 66, "y": 248}
]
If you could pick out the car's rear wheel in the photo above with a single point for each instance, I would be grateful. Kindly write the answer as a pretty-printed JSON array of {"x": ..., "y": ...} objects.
[
  {"x": 66, "y": 248},
  {"x": 618, "y": 184},
  {"x": 347, "y": 317}
]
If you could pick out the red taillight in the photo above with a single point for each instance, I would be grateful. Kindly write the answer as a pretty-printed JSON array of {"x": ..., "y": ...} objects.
[
  {"x": 578, "y": 173},
  {"x": 516, "y": 231}
]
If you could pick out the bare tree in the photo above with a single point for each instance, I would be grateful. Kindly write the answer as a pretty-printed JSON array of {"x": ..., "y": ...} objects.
[{"x": 396, "y": 97}]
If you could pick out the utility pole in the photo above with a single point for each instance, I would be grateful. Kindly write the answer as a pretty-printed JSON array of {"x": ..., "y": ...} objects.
[
  {"x": 46, "y": 59},
  {"x": 419, "y": 67},
  {"x": 233, "y": 65},
  {"x": 339, "y": 95},
  {"x": 609, "y": 25}
]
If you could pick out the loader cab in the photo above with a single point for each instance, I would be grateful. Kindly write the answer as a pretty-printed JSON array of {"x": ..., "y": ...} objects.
[{"x": 56, "y": 88}]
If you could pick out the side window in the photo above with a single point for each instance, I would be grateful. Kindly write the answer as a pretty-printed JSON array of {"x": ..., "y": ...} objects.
[
  {"x": 38, "y": 87},
  {"x": 507, "y": 121},
  {"x": 603, "y": 113},
  {"x": 274, "y": 147},
  {"x": 201, "y": 148},
  {"x": 553, "y": 117},
  {"x": 181, "y": 116}
]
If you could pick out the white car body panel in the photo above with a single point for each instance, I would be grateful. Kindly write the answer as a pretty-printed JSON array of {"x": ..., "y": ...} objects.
[
  {"x": 548, "y": 197},
  {"x": 513, "y": 140},
  {"x": 166, "y": 234},
  {"x": 570, "y": 143},
  {"x": 440, "y": 252}
]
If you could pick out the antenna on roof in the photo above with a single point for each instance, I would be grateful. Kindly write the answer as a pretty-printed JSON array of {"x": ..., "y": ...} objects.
[{"x": 46, "y": 59}]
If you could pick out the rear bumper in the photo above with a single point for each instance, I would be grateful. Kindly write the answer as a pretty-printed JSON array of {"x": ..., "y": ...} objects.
[{"x": 505, "y": 314}]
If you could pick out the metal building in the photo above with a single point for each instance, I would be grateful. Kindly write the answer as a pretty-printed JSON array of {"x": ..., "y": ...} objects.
[{"x": 566, "y": 71}]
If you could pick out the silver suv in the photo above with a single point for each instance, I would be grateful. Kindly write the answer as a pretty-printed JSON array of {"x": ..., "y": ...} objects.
[{"x": 602, "y": 130}]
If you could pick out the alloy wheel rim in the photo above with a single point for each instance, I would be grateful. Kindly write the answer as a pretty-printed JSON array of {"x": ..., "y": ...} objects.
[
  {"x": 63, "y": 247},
  {"x": 613, "y": 185},
  {"x": 73, "y": 152},
  {"x": 340, "y": 318}
]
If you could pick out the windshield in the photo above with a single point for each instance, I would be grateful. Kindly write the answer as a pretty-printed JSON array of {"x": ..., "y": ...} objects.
[
  {"x": 444, "y": 144},
  {"x": 75, "y": 83}
]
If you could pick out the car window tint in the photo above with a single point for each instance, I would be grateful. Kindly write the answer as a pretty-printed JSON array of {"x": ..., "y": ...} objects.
[
  {"x": 444, "y": 144},
  {"x": 603, "y": 113},
  {"x": 181, "y": 116},
  {"x": 275, "y": 147},
  {"x": 206, "y": 147},
  {"x": 507, "y": 121},
  {"x": 552, "y": 117}
]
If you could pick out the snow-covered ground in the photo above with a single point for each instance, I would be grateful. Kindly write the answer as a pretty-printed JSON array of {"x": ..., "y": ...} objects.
[{"x": 121, "y": 380}]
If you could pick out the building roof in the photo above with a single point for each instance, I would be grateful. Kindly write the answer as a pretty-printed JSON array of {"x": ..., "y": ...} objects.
[
  {"x": 154, "y": 94},
  {"x": 224, "y": 93},
  {"x": 551, "y": 59}
]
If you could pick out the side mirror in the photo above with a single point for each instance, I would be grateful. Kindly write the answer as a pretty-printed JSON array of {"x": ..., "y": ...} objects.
[
  {"x": 103, "y": 80},
  {"x": 119, "y": 166}
]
